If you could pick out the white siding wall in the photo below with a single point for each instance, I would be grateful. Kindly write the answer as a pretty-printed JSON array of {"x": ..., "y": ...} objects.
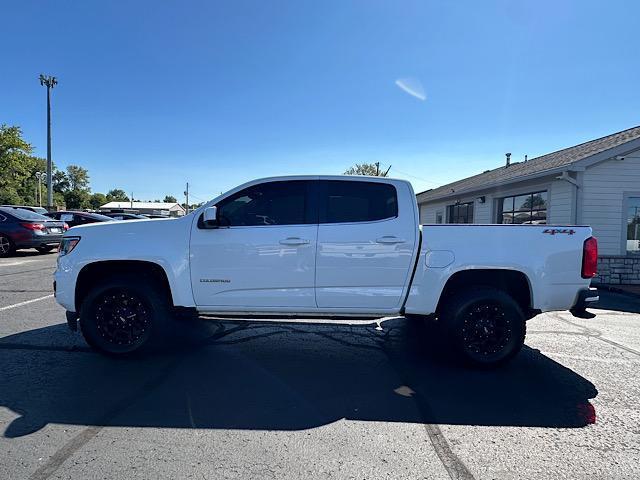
[
  {"x": 561, "y": 197},
  {"x": 481, "y": 211},
  {"x": 428, "y": 212},
  {"x": 602, "y": 201}
]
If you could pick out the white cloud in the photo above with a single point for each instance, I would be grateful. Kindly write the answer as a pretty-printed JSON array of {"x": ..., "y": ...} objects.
[{"x": 412, "y": 86}]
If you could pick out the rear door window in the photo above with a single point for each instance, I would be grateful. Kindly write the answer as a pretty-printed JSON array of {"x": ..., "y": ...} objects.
[{"x": 343, "y": 201}]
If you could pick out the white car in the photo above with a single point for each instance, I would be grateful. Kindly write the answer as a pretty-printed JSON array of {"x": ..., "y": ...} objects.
[{"x": 317, "y": 246}]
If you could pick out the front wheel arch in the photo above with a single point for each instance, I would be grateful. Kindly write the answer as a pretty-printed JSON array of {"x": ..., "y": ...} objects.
[{"x": 94, "y": 273}]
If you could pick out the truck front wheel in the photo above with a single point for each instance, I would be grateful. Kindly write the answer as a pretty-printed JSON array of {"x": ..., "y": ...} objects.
[
  {"x": 121, "y": 316},
  {"x": 485, "y": 326}
]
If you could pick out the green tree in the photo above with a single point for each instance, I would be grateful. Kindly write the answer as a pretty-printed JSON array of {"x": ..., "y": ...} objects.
[
  {"x": 60, "y": 181},
  {"x": 77, "y": 199},
  {"x": 78, "y": 177},
  {"x": 170, "y": 199},
  {"x": 370, "y": 169},
  {"x": 97, "y": 200},
  {"x": 117, "y": 195},
  {"x": 16, "y": 164}
]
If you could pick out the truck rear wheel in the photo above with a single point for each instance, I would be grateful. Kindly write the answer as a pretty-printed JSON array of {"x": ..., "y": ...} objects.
[
  {"x": 122, "y": 316},
  {"x": 485, "y": 326}
]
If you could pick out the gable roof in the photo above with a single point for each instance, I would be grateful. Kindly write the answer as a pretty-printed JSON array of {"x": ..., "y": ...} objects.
[{"x": 538, "y": 165}]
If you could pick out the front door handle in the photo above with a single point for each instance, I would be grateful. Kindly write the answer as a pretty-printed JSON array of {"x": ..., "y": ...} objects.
[
  {"x": 294, "y": 241},
  {"x": 389, "y": 240}
]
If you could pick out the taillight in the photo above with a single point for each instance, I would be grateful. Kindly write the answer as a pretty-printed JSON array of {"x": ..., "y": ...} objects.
[
  {"x": 33, "y": 226},
  {"x": 590, "y": 258},
  {"x": 65, "y": 226}
]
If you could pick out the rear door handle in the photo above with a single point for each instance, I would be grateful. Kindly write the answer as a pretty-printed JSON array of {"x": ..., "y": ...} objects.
[
  {"x": 294, "y": 241},
  {"x": 389, "y": 240}
]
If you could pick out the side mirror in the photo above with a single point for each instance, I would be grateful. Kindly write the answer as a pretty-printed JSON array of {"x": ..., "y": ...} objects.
[{"x": 210, "y": 216}]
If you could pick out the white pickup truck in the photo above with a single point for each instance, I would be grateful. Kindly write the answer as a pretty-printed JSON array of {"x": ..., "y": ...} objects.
[{"x": 321, "y": 246}]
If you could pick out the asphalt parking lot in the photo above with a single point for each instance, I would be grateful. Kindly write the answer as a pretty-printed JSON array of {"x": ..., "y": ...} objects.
[{"x": 282, "y": 400}]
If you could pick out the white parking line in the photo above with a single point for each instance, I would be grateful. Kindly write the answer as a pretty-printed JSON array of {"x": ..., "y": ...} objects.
[
  {"x": 26, "y": 302},
  {"x": 13, "y": 263}
]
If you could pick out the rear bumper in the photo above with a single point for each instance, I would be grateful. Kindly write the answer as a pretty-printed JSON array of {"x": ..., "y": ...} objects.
[
  {"x": 43, "y": 241},
  {"x": 585, "y": 298}
]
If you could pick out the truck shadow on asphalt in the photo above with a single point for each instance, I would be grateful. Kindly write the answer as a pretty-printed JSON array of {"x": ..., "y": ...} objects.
[{"x": 281, "y": 376}]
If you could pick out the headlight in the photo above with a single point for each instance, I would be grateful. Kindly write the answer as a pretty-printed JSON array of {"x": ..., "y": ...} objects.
[{"x": 67, "y": 245}]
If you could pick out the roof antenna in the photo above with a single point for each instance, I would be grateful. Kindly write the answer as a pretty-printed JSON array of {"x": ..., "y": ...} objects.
[{"x": 508, "y": 155}]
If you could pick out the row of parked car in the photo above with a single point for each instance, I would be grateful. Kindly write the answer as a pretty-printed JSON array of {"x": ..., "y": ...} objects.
[{"x": 24, "y": 226}]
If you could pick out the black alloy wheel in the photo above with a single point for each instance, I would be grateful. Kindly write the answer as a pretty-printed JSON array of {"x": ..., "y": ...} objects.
[
  {"x": 125, "y": 314},
  {"x": 122, "y": 319},
  {"x": 486, "y": 330},
  {"x": 485, "y": 326}
]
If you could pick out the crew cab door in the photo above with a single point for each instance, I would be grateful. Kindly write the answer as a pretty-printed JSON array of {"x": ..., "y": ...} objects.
[
  {"x": 366, "y": 241},
  {"x": 262, "y": 255}
]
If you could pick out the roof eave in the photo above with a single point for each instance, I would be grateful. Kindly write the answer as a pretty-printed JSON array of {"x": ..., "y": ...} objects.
[
  {"x": 489, "y": 186},
  {"x": 578, "y": 165}
]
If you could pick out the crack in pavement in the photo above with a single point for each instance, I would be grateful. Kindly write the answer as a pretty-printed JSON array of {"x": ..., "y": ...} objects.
[
  {"x": 597, "y": 334},
  {"x": 454, "y": 466},
  {"x": 67, "y": 450}
]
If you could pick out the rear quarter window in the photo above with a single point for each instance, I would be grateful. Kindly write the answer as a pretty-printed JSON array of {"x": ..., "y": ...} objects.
[{"x": 343, "y": 201}]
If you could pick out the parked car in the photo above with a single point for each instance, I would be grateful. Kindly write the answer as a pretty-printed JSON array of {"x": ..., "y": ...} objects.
[
  {"x": 124, "y": 216},
  {"x": 317, "y": 247},
  {"x": 40, "y": 210},
  {"x": 21, "y": 228},
  {"x": 73, "y": 219}
]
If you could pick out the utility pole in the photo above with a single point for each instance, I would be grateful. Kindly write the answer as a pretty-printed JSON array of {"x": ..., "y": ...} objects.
[
  {"x": 186, "y": 194},
  {"x": 49, "y": 82},
  {"x": 131, "y": 200}
]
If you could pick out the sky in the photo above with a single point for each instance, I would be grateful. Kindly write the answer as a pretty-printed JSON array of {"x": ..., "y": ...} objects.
[{"x": 154, "y": 94}]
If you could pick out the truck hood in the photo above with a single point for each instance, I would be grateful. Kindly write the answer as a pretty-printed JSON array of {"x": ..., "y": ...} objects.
[{"x": 132, "y": 239}]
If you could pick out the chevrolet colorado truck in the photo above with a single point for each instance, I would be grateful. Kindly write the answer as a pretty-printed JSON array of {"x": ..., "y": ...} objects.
[{"x": 321, "y": 246}]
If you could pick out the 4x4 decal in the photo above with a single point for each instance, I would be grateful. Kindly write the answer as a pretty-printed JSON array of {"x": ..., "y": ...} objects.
[{"x": 554, "y": 231}]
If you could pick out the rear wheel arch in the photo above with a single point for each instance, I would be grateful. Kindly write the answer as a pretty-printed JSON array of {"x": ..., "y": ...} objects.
[
  {"x": 95, "y": 273},
  {"x": 514, "y": 283}
]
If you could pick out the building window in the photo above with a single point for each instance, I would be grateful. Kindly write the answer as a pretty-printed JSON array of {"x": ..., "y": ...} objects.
[
  {"x": 633, "y": 225},
  {"x": 439, "y": 216},
  {"x": 530, "y": 208},
  {"x": 460, "y": 213}
]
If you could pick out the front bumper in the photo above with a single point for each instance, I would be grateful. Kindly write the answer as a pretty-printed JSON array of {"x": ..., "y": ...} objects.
[
  {"x": 72, "y": 321},
  {"x": 65, "y": 282},
  {"x": 585, "y": 297}
]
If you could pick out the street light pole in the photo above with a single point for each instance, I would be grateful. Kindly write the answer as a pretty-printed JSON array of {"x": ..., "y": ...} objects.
[
  {"x": 49, "y": 82},
  {"x": 39, "y": 176}
]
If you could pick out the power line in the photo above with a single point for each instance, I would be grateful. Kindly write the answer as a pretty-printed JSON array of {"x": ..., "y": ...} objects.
[{"x": 419, "y": 178}]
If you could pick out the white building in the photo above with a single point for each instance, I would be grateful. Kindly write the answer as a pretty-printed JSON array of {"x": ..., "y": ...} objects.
[
  {"x": 596, "y": 183},
  {"x": 147, "y": 208}
]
